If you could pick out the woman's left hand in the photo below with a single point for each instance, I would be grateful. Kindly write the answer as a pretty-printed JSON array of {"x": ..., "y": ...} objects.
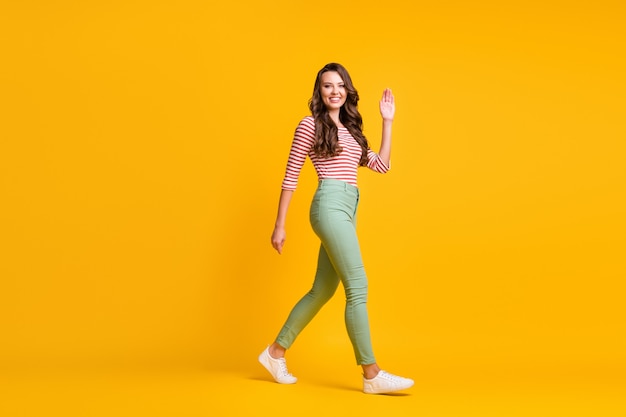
[{"x": 387, "y": 105}]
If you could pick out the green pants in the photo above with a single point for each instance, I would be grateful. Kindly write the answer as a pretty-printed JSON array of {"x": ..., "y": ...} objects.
[{"x": 333, "y": 218}]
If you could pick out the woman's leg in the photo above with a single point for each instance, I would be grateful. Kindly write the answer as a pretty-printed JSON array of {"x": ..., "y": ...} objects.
[
  {"x": 333, "y": 217},
  {"x": 342, "y": 245},
  {"x": 324, "y": 287}
]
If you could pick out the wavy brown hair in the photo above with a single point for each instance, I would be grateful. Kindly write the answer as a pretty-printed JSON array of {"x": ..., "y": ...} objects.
[{"x": 326, "y": 143}]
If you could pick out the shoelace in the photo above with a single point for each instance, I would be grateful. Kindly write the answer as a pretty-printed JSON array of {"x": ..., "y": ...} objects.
[
  {"x": 390, "y": 377},
  {"x": 283, "y": 367}
]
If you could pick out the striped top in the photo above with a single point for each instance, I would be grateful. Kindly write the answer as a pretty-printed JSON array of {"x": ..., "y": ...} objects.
[{"x": 340, "y": 167}]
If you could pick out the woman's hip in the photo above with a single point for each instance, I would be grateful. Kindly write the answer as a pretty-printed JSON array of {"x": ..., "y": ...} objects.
[{"x": 334, "y": 202}]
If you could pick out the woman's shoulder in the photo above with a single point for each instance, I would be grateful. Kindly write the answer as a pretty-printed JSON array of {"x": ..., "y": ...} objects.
[
  {"x": 307, "y": 124},
  {"x": 308, "y": 121}
]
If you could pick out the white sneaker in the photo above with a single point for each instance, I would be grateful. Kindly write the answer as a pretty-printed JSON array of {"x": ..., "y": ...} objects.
[
  {"x": 385, "y": 382},
  {"x": 276, "y": 367}
]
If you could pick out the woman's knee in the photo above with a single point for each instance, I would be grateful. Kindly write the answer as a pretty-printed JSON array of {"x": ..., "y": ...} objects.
[
  {"x": 356, "y": 294},
  {"x": 323, "y": 293}
]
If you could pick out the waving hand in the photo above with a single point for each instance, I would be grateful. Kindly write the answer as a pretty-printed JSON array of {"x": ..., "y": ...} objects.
[{"x": 387, "y": 105}]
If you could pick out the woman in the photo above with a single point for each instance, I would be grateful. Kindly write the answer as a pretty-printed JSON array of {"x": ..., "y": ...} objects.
[{"x": 333, "y": 139}]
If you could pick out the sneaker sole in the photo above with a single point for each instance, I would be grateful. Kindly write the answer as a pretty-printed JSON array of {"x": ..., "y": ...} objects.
[{"x": 387, "y": 391}]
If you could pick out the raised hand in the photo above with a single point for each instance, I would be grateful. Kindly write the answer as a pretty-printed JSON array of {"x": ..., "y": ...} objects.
[{"x": 387, "y": 105}]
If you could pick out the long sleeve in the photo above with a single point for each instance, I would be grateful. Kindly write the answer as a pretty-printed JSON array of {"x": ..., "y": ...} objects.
[
  {"x": 375, "y": 163},
  {"x": 303, "y": 139}
]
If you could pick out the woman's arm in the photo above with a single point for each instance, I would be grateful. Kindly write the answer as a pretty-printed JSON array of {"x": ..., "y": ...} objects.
[
  {"x": 302, "y": 141},
  {"x": 387, "y": 111},
  {"x": 279, "y": 235}
]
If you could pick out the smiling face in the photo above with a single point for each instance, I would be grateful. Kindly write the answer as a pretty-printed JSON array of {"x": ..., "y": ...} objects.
[{"x": 333, "y": 91}]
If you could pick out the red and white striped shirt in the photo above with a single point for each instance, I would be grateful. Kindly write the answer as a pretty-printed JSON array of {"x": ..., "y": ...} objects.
[{"x": 340, "y": 167}]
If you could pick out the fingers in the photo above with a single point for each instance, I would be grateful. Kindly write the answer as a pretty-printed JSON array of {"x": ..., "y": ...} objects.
[
  {"x": 387, "y": 105},
  {"x": 387, "y": 96},
  {"x": 278, "y": 245},
  {"x": 278, "y": 239}
]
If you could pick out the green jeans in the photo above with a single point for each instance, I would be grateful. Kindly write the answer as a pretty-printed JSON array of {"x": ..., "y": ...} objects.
[{"x": 333, "y": 218}]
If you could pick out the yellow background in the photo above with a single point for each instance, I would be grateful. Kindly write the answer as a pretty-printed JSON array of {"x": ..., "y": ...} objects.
[{"x": 143, "y": 144}]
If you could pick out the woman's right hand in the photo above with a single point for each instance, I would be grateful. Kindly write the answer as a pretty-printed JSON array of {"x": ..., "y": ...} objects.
[
  {"x": 278, "y": 239},
  {"x": 279, "y": 235}
]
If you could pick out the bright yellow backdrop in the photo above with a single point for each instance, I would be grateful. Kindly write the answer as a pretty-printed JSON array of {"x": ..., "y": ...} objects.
[{"x": 143, "y": 144}]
